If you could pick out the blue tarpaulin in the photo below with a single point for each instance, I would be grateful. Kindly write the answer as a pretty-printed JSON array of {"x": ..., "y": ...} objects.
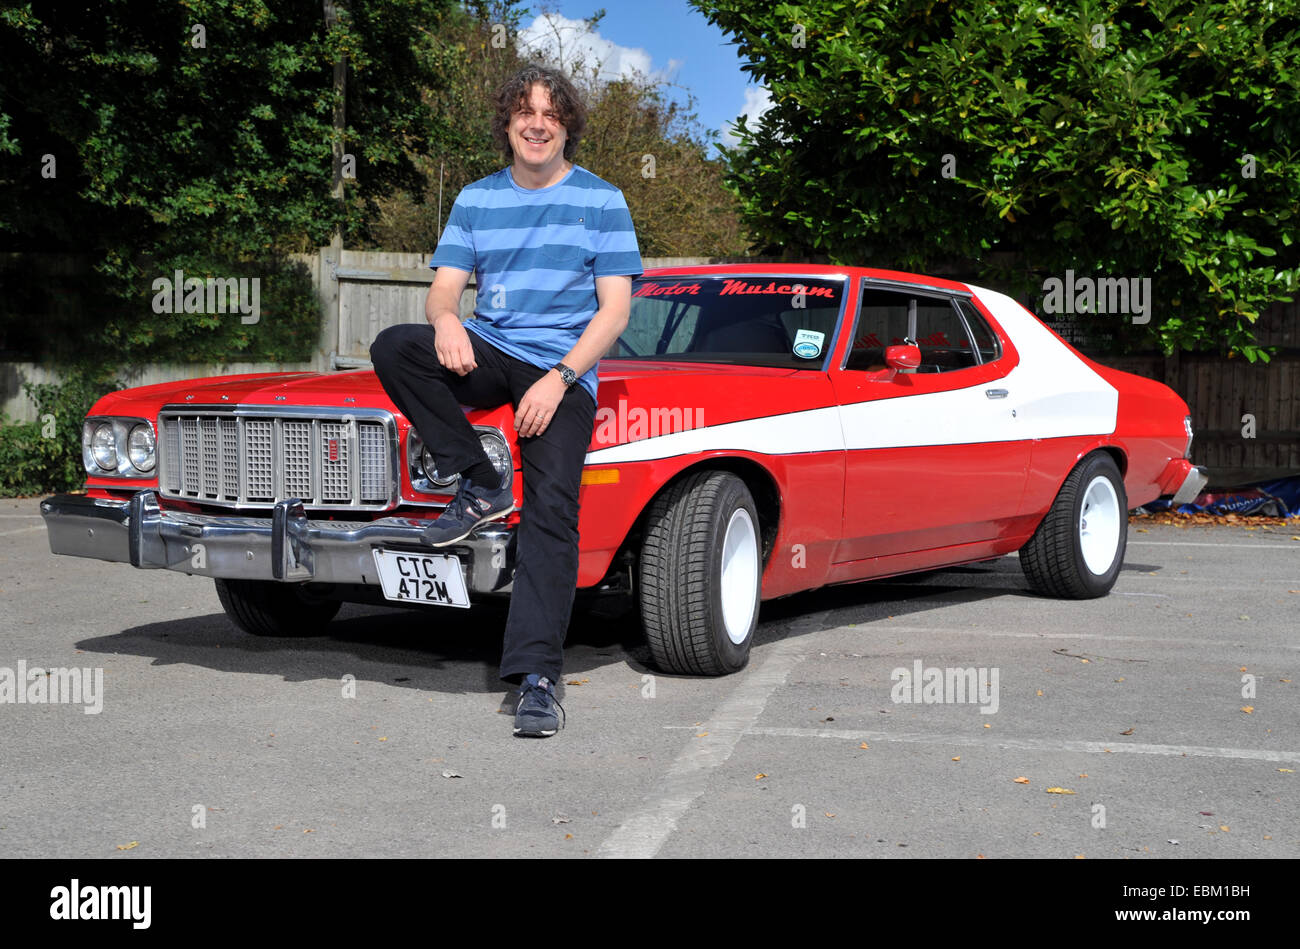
[{"x": 1269, "y": 498}]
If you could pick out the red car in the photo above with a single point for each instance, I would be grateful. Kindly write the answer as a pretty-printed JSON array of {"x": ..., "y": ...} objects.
[{"x": 762, "y": 430}]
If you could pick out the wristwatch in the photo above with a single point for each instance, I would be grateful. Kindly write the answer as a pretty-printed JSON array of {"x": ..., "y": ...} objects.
[{"x": 567, "y": 374}]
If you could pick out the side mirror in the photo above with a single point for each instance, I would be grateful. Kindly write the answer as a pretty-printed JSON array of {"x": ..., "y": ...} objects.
[{"x": 902, "y": 357}]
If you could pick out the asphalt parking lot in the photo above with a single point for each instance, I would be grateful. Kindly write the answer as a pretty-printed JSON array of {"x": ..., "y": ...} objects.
[{"x": 1159, "y": 721}]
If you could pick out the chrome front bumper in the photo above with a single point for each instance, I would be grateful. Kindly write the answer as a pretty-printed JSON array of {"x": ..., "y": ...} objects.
[{"x": 286, "y": 546}]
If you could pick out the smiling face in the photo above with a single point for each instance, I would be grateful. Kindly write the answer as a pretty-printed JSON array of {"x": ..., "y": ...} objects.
[{"x": 537, "y": 136}]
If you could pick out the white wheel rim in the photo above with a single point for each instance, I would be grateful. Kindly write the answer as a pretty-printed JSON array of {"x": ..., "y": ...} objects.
[
  {"x": 1099, "y": 525},
  {"x": 739, "y": 575}
]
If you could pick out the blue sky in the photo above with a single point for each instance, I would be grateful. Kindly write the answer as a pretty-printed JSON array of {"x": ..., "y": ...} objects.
[{"x": 664, "y": 38}]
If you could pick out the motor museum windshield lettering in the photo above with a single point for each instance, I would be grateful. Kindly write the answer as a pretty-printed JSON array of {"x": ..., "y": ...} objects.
[{"x": 733, "y": 288}]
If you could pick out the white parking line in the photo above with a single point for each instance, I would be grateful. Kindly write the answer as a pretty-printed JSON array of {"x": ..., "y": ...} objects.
[
  {"x": 645, "y": 831},
  {"x": 1190, "y": 543},
  {"x": 1034, "y": 744},
  {"x": 997, "y": 634},
  {"x": 23, "y": 530}
]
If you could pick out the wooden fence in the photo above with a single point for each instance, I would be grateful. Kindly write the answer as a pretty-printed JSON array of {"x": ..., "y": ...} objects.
[{"x": 363, "y": 292}]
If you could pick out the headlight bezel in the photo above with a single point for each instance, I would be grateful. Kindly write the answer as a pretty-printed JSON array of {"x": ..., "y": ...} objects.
[
  {"x": 101, "y": 434},
  {"x": 419, "y": 461}
]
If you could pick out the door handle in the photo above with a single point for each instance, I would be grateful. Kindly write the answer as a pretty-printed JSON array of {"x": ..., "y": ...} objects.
[{"x": 996, "y": 393}]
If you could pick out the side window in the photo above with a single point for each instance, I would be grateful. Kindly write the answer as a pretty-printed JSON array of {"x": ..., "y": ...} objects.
[
  {"x": 942, "y": 338},
  {"x": 986, "y": 341},
  {"x": 884, "y": 320}
]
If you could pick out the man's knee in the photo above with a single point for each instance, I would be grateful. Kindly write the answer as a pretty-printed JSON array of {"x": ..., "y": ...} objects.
[{"x": 394, "y": 344}]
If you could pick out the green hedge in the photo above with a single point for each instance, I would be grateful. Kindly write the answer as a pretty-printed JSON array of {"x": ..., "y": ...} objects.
[{"x": 45, "y": 455}]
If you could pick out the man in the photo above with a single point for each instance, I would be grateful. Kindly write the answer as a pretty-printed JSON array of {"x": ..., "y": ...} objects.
[{"x": 554, "y": 253}]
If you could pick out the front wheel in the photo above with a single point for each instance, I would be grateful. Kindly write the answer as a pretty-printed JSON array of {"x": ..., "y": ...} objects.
[
  {"x": 1078, "y": 549},
  {"x": 269, "y": 608},
  {"x": 701, "y": 575}
]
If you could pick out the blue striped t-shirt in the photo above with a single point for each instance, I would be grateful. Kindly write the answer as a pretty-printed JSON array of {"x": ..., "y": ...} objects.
[{"x": 536, "y": 254}]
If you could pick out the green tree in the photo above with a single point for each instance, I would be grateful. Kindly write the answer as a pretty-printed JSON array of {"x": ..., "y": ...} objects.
[
  {"x": 1021, "y": 139},
  {"x": 198, "y": 135},
  {"x": 637, "y": 138}
]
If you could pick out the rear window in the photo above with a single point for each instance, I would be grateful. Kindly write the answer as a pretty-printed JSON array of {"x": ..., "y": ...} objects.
[{"x": 754, "y": 321}]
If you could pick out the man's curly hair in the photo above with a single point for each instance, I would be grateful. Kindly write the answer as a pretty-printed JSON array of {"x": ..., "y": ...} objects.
[{"x": 565, "y": 100}]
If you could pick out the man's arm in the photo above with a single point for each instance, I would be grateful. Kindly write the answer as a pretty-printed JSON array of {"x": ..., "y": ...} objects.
[
  {"x": 614, "y": 296},
  {"x": 442, "y": 310},
  {"x": 537, "y": 407}
]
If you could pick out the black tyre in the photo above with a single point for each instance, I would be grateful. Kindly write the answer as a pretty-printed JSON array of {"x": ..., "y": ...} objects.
[
  {"x": 1078, "y": 549},
  {"x": 701, "y": 575},
  {"x": 268, "y": 608}
]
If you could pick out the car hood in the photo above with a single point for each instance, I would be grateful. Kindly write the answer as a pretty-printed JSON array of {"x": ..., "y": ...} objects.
[{"x": 637, "y": 399}]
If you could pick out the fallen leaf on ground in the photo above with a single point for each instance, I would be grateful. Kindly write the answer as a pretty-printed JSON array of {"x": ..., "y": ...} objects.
[
  {"x": 1022, "y": 780},
  {"x": 864, "y": 745},
  {"x": 1129, "y": 732},
  {"x": 1059, "y": 791},
  {"x": 1248, "y": 709},
  {"x": 1224, "y": 828},
  {"x": 760, "y": 776},
  {"x": 131, "y": 846},
  {"x": 958, "y": 758}
]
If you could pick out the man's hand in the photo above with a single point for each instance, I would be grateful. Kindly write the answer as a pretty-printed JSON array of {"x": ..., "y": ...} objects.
[
  {"x": 451, "y": 343},
  {"x": 442, "y": 310},
  {"x": 537, "y": 407}
]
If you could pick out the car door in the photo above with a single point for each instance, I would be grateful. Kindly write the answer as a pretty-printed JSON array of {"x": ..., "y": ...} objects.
[{"x": 934, "y": 456}]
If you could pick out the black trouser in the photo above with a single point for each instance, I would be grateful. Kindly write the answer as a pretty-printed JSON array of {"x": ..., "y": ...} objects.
[{"x": 546, "y": 570}]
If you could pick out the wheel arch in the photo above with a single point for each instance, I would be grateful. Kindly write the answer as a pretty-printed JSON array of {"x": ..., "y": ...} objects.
[{"x": 762, "y": 487}]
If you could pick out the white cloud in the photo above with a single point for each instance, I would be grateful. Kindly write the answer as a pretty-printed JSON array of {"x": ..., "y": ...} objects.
[
  {"x": 562, "y": 39},
  {"x": 757, "y": 101}
]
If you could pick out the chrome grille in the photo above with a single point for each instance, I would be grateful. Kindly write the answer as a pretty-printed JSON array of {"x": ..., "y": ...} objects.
[{"x": 253, "y": 458}]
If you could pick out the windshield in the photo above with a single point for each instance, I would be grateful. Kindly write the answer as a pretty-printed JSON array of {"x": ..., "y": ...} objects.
[{"x": 757, "y": 320}]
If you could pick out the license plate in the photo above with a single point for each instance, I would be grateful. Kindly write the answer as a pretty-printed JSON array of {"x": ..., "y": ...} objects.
[{"x": 421, "y": 578}]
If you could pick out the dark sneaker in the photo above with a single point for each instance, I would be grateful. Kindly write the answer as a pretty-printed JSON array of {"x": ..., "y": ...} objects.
[
  {"x": 535, "y": 717},
  {"x": 473, "y": 505}
]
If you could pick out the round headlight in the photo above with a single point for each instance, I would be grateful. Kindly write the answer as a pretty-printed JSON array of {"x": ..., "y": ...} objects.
[
  {"x": 140, "y": 447},
  {"x": 497, "y": 453},
  {"x": 431, "y": 469},
  {"x": 103, "y": 446}
]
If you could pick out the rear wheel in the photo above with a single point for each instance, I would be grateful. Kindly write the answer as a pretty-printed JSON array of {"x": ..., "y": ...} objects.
[
  {"x": 701, "y": 575},
  {"x": 1078, "y": 549},
  {"x": 268, "y": 608}
]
